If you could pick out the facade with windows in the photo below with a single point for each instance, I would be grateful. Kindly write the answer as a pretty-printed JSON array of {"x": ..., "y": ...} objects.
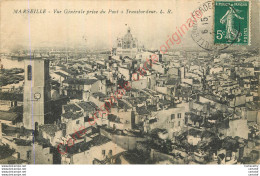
[
  {"x": 172, "y": 119},
  {"x": 101, "y": 149}
]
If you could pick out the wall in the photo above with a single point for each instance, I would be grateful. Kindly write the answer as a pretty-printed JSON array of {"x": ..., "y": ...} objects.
[
  {"x": 140, "y": 84},
  {"x": 251, "y": 115},
  {"x": 161, "y": 89},
  {"x": 95, "y": 152},
  {"x": 164, "y": 120},
  {"x": 238, "y": 100},
  {"x": 42, "y": 155},
  {"x": 72, "y": 126},
  {"x": 238, "y": 128},
  {"x": 125, "y": 72},
  {"x": 158, "y": 67},
  {"x": 173, "y": 71},
  {"x": 193, "y": 140},
  {"x": 126, "y": 142},
  {"x": 21, "y": 149},
  {"x": 54, "y": 140},
  {"x": 157, "y": 156},
  {"x": 216, "y": 70},
  {"x": 96, "y": 87},
  {"x": 124, "y": 116}
]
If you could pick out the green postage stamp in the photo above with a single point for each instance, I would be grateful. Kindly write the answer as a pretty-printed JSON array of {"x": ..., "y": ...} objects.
[{"x": 232, "y": 22}]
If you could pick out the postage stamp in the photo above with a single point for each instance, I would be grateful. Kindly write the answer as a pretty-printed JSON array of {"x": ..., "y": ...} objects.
[{"x": 232, "y": 22}]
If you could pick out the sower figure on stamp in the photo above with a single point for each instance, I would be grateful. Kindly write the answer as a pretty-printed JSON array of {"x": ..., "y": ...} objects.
[{"x": 228, "y": 18}]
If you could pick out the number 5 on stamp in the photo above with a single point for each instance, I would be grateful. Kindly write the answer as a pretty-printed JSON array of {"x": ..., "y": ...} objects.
[{"x": 231, "y": 22}]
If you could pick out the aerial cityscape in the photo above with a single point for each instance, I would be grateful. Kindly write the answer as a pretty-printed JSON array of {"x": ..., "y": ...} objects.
[{"x": 129, "y": 105}]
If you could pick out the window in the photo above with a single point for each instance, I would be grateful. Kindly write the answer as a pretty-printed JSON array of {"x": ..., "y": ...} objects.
[
  {"x": 110, "y": 152},
  {"x": 172, "y": 116},
  {"x": 29, "y": 72},
  {"x": 179, "y": 123},
  {"x": 77, "y": 122},
  {"x": 103, "y": 152},
  {"x": 179, "y": 115},
  {"x": 86, "y": 118},
  {"x": 28, "y": 155}
]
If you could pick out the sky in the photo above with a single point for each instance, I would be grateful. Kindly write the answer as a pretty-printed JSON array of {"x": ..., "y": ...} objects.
[{"x": 93, "y": 31}]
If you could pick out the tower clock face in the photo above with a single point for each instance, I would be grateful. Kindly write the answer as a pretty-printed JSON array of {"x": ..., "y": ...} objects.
[{"x": 37, "y": 96}]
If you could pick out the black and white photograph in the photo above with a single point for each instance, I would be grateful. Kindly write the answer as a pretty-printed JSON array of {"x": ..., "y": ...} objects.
[{"x": 172, "y": 82}]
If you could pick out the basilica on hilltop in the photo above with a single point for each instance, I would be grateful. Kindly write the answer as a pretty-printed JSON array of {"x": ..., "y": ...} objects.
[{"x": 127, "y": 46}]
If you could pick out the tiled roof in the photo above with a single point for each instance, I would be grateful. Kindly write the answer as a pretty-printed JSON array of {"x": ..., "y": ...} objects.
[
  {"x": 61, "y": 74},
  {"x": 71, "y": 107},
  {"x": 11, "y": 96},
  {"x": 122, "y": 104},
  {"x": 96, "y": 141},
  {"x": 142, "y": 110},
  {"x": 71, "y": 115},
  {"x": 112, "y": 117},
  {"x": 88, "y": 106},
  {"x": 9, "y": 116},
  {"x": 50, "y": 129},
  {"x": 100, "y": 77},
  {"x": 99, "y": 94},
  {"x": 23, "y": 142},
  {"x": 172, "y": 81},
  {"x": 80, "y": 81}
]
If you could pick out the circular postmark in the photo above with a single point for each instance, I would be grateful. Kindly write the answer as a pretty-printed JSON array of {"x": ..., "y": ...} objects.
[{"x": 203, "y": 30}]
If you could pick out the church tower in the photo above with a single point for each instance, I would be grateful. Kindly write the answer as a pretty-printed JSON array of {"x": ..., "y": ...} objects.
[
  {"x": 37, "y": 96},
  {"x": 127, "y": 45}
]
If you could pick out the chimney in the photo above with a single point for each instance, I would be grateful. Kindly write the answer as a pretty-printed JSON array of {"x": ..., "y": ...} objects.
[
  {"x": 205, "y": 106},
  {"x": 157, "y": 106},
  {"x": 191, "y": 104},
  {"x": 208, "y": 108},
  {"x": 132, "y": 119},
  {"x": 1, "y": 131},
  {"x": 160, "y": 57}
]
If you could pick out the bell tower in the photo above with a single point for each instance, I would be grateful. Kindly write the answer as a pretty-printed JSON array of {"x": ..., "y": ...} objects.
[{"x": 37, "y": 96}]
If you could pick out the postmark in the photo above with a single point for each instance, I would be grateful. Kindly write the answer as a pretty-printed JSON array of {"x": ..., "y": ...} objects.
[
  {"x": 231, "y": 22},
  {"x": 202, "y": 31}
]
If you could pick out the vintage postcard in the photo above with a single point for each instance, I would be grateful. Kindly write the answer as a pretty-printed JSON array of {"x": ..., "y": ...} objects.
[{"x": 129, "y": 82}]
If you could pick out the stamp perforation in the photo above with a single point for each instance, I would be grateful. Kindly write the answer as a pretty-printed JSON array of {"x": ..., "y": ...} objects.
[{"x": 248, "y": 24}]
